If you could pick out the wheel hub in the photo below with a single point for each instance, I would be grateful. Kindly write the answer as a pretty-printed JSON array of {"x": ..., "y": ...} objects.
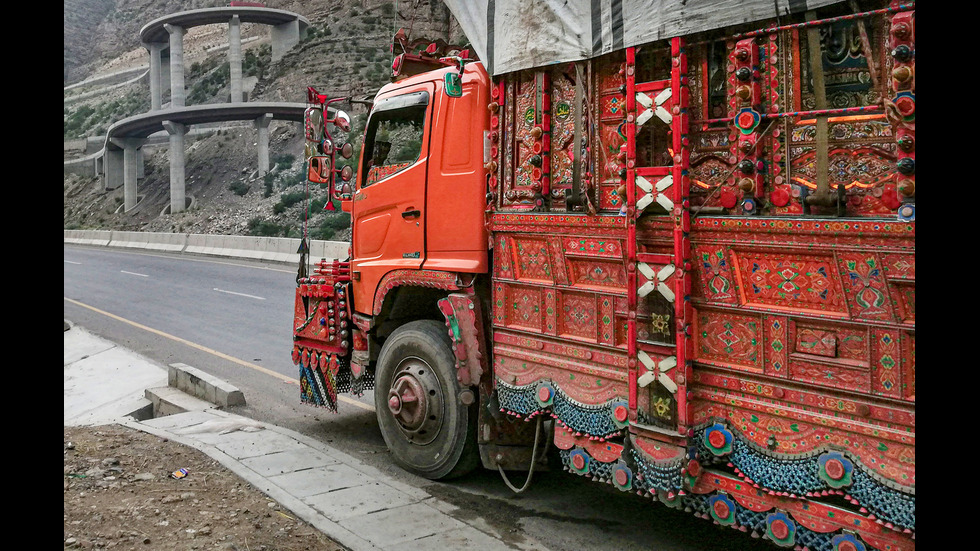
[
  {"x": 406, "y": 401},
  {"x": 415, "y": 401}
]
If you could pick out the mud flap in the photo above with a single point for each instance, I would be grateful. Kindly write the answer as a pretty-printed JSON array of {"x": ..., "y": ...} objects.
[
  {"x": 318, "y": 387},
  {"x": 508, "y": 442},
  {"x": 503, "y": 441}
]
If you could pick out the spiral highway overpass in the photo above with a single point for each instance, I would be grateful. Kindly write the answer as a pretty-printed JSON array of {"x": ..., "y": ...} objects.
[{"x": 119, "y": 160}]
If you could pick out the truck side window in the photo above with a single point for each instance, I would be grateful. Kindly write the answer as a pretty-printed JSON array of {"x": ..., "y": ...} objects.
[{"x": 393, "y": 141}]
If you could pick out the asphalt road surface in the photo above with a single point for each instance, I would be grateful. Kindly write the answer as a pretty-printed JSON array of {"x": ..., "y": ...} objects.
[{"x": 233, "y": 320}]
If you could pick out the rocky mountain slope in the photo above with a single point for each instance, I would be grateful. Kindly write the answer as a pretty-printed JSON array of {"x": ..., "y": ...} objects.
[{"x": 346, "y": 52}]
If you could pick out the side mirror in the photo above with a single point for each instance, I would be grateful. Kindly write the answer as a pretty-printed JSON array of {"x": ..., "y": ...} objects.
[
  {"x": 454, "y": 85},
  {"x": 342, "y": 121},
  {"x": 313, "y": 124},
  {"x": 454, "y": 81},
  {"x": 346, "y": 150},
  {"x": 343, "y": 191},
  {"x": 319, "y": 169}
]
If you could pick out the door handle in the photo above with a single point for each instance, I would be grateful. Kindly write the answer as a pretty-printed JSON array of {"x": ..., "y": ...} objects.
[{"x": 412, "y": 213}]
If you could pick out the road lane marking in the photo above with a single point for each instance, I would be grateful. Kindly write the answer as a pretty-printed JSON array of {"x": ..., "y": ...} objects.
[
  {"x": 221, "y": 355},
  {"x": 239, "y": 294},
  {"x": 133, "y": 273},
  {"x": 71, "y": 262}
]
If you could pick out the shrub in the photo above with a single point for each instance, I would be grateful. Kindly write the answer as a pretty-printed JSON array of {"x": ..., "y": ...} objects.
[
  {"x": 239, "y": 188},
  {"x": 331, "y": 225},
  {"x": 284, "y": 161},
  {"x": 290, "y": 199},
  {"x": 268, "y": 179},
  {"x": 316, "y": 206},
  {"x": 265, "y": 228}
]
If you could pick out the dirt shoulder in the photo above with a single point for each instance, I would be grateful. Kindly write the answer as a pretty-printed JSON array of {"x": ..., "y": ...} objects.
[{"x": 120, "y": 493}]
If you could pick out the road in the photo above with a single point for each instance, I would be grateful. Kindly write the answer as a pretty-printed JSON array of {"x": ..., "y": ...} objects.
[{"x": 232, "y": 319}]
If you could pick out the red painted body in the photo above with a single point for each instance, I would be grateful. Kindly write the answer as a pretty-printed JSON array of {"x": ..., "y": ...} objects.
[{"x": 698, "y": 326}]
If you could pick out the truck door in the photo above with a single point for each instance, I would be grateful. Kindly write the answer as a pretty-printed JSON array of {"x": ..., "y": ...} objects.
[{"x": 388, "y": 211}]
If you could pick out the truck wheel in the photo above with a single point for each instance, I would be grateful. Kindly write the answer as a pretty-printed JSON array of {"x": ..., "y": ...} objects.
[{"x": 428, "y": 430}]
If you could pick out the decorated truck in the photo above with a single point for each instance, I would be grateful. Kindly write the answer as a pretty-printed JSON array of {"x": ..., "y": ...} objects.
[{"x": 669, "y": 244}]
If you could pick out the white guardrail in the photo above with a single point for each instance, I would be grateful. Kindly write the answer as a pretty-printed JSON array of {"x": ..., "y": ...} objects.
[{"x": 271, "y": 249}]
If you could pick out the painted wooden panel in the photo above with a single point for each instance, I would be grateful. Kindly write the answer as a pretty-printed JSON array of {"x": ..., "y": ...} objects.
[
  {"x": 793, "y": 282},
  {"x": 730, "y": 339},
  {"x": 532, "y": 260}
]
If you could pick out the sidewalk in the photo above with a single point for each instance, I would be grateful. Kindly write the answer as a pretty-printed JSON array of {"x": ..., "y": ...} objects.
[{"x": 352, "y": 503}]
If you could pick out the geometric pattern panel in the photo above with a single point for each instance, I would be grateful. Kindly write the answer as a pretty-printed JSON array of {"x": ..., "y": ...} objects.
[
  {"x": 777, "y": 345},
  {"x": 503, "y": 265},
  {"x": 887, "y": 368},
  {"x": 731, "y": 339},
  {"x": 525, "y": 305},
  {"x": 518, "y": 306},
  {"x": 832, "y": 341},
  {"x": 837, "y": 376},
  {"x": 590, "y": 272},
  {"x": 908, "y": 364},
  {"x": 865, "y": 286},
  {"x": 717, "y": 284},
  {"x": 790, "y": 281},
  {"x": 903, "y": 296},
  {"x": 578, "y": 315},
  {"x": 533, "y": 260}
]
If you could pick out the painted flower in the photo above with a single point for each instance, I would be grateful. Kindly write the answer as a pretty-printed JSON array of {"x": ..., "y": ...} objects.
[
  {"x": 781, "y": 529},
  {"x": 622, "y": 477},
  {"x": 847, "y": 542},
  {"x": 835, "y": 469},
  {"x": 544, "y": 394},
  {"x": 722, "y": 509},
  {"x": 718, "y": 439},
  {"x": 619, "y": 412},
  {"x": 578, "y": 461}
]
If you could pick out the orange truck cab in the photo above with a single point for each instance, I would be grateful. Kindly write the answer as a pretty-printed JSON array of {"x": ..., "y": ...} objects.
[{"x": 420, "y": 193}]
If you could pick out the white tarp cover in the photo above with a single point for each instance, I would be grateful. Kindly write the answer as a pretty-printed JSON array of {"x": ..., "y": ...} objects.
[{"x": 510, "y": 35}]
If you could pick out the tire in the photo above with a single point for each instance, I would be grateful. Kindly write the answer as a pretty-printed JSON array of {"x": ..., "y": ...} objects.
[{"x": 427, "y": 429}]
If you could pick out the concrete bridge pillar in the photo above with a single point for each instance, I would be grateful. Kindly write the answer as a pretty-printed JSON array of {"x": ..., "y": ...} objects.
[
  {"x": 235, "y": 58},
  {"x": 262, "y": 124},
  {"x": 284, "y": 37},
  {"x": 177, "y": 186},
  {"x": 156, "y": 67},
  {"x": 112, "y": 169},
  {"x": 177, "y": 94},
  {"x": 130, "y": 168}
]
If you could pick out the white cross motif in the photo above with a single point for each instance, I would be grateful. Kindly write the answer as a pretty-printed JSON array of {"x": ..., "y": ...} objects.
[
  {"x": 649, "y": 197},
  {"x": 657, "y": 370},
  {"x": 656, "y": 280},
  {"x": 653, "y": 107}
]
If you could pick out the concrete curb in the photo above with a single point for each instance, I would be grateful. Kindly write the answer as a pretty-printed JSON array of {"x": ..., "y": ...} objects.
[
  {"x": 204, "y": 386},
  {"x": 190, "y": 389}
]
